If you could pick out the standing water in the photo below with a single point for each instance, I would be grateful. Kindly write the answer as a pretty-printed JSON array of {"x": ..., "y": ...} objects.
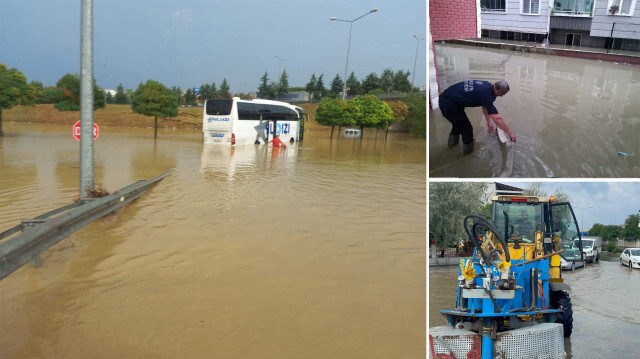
[
  {"x": 572, "y": 117},
  {"x": 316, "y": 251}
]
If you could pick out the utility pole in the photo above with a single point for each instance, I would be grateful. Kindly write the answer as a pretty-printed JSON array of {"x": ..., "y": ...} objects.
[{"x": 86, "y": 99}]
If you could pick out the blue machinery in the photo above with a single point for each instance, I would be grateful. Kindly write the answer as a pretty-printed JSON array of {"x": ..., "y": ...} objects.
[{"x": 503, "y": 307}]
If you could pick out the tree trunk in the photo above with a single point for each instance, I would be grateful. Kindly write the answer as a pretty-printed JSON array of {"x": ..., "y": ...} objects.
[
  {"x": 387, "y": 133},
  {"x": 155, "y": 128},
  {"x": 332, "y": 127},
  {"x": 1, "y": 133}
]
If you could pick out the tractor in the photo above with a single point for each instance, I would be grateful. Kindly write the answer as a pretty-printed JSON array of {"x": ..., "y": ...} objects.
[{"x": 511, "y": 299}]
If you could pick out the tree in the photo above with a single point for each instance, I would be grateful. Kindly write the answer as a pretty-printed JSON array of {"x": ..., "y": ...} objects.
[
  {"x": 205, "y": 92},
  {"x": 336, "y": 112},
  {"x": 121, "y": 97},
  {"x": 69, "y": 85},
  {"x": 154, "y": 99},
  {"x": 14, "y": 90},
  {"x": 320, "y": 90},
  {"x": 265, "y": 90},
  {"x": 630, "y": 231},
  {"x": 606, "y": 232},
  {"x": 416, "y": 120},
  {"x": 336, "y": 86},
  {"x": 283, "y": 85},
  {"x": 353, "y": 85},
  {"x": 189, "y": 97},
  {"x": 449, "y": 203},
  {"x": 50, "y": 94},
  {"x": 371, "y": 82},
  {"x": 535, "y": 189},
  {"x": 109, "y": 97},
  {"x": 386, "y": 80},
  {"x": 373, "y": 112},
  {"x": 311, "y": 86},
  {"x": 399, "y": 109},
  {"x": 401, "y": 82},
  {"x": 177, "y": 91},
  {"x": 224, "y": 89}
]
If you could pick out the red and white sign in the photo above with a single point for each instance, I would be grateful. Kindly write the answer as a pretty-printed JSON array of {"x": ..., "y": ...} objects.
[{"x": 76, "y": 131}]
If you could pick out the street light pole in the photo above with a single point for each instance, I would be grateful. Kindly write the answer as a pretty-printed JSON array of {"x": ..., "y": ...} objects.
[
  {"x": 582, "y": 215},
  {"x": 280, "y": 67},
  {"x": 346, "y": 67},
  {"x": 415, "y": 61}
]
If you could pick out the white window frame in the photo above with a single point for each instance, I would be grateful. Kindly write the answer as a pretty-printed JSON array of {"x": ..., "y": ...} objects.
[
  {"x": 619, "y": 3},
  {"x": 500, "y": 11},
  {"x": 531, "y": 2}
]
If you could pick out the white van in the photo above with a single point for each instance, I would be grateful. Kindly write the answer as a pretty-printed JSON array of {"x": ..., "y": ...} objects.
[{"x": 591, "y": 248}]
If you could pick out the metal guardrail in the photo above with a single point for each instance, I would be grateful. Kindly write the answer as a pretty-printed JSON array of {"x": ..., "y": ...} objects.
[{"x": 42, "y": 232}]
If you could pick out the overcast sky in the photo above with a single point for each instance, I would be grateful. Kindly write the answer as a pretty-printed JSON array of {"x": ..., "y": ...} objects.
[
  {"x": 611, "y": 202},
  {"x": 187, "y": 43}
]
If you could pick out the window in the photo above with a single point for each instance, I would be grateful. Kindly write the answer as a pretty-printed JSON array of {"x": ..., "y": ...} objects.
[
  {"x": 531, "y": 7},
  {"x": 625, "y": 7},
  {"x": 219, "y": 107},
  {"x": 493, "y": 5},
  {"x": 573, "y": 7}
]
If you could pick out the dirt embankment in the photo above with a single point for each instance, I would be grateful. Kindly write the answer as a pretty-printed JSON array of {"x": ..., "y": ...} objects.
[{"x": 121, "y": 116}]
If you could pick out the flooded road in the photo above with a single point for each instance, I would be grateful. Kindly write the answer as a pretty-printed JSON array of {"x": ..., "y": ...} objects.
[
  {"x": 316, "y": 251},
  {"x": 604, "y": 300},
  {"x": 571, "y": 117}
]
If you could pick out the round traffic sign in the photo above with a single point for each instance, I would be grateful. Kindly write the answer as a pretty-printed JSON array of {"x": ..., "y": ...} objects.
[{"x": 76, "y": 131}]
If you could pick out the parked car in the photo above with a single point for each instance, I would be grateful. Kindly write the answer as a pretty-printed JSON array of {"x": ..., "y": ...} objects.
[
  {"x": 573, "y": 259},
  {"x": 630, "y": 257},
  {"x": 352, "y": 132},
  {"x": 591, "y": 248}
]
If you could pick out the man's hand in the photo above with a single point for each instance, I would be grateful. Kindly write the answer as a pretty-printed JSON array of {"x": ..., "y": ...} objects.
[
  {"x": 513, "y": 137},
  {"x": 490, "y": 125}
]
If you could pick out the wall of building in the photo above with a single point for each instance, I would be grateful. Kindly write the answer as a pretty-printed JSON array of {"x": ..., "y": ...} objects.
[
  {"x": 453, "y": 19},
  {"x": 513, "y": 20},
  {"x": 626, "y": 27},
  {"x": 449, "y": 20}
]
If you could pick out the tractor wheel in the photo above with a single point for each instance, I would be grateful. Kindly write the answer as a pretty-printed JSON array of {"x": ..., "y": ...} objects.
[
  {"x": 573, "y": 266},
  {"x": 561, "y": 300}
]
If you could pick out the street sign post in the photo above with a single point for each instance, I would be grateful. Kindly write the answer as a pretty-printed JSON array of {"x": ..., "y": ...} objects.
[{"x": 76, "y": 131}]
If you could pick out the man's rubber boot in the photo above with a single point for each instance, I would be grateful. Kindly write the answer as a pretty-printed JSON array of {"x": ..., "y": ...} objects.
[
  {"x": 453, "y": 140},
  {"x": 467, "y": 149}
]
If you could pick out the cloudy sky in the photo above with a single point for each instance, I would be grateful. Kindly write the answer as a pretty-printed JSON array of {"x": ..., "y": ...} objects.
[
  {"x": 187, "y": 43},
  {"x": 611, "y": 202}
]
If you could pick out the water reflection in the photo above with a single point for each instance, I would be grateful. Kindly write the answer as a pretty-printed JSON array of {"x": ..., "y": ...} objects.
[{"x": 572, "y": 117}]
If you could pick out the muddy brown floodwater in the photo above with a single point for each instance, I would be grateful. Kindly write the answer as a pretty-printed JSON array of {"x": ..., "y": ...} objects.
[
  {"x": 604, "y": 300},
  {"x": 316, "y": 251},
  {"x": 572, "y": 117}
]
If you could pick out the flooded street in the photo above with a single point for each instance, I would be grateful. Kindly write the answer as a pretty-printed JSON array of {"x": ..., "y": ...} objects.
[
  {"x": 316, "y": 251},
  {"x": 572, "y": 117},
  {"x": 604, "y": 300}
]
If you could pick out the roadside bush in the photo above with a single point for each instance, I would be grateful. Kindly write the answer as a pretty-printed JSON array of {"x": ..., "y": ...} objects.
[{"x": 611, "y": 247}]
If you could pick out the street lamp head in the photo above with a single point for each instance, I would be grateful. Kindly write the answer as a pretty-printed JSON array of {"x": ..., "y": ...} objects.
[
  {"x": 333, "y": 18},
  {"x": 374, "y": 9}
]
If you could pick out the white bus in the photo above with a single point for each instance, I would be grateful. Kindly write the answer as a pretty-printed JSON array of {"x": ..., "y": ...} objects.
[{"x": 242, "y": 122}]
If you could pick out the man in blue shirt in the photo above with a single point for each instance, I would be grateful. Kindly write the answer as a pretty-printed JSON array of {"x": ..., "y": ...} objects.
[{"x": 472, "y": 93}]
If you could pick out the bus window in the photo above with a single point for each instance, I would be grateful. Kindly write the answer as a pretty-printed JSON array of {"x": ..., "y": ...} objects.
[{"x": 219, "y": 107}]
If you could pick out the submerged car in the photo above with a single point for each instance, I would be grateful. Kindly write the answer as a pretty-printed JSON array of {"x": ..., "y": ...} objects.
[
  {"x": 630, "y": 257},
  {"x": 571, "y": 259}
]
